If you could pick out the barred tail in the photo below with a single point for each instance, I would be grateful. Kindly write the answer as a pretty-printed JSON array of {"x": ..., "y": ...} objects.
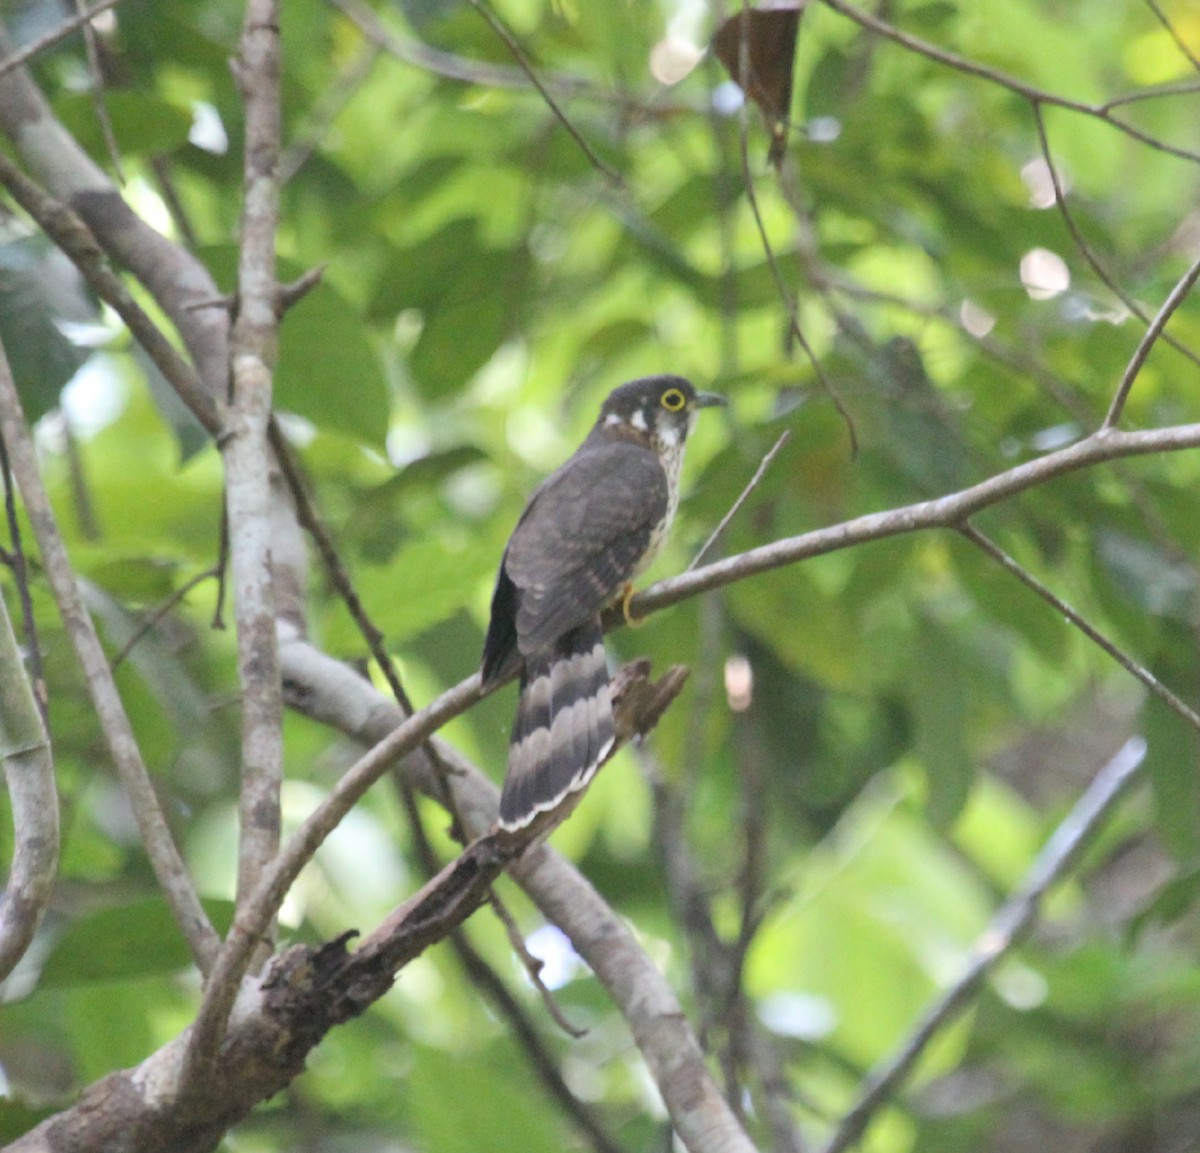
[{"x": 564, "y": 725}]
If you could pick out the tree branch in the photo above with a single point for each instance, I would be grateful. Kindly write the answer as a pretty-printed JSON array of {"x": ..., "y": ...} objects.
[
  {"x": 247, "y": 454},
  {"x": 1144, "y": 675},
  {"x": 81, "y": 19},
  {"x": 1006, "y": 929},
  {"x": 164, "y": 857},
  {"x": 1085, "y": 249},
  {"x": 948, "y": 511},
  {"x": 29, "y": 775},
  {"x": 175, "y": 278},
  {"x": 1150, "y": 337},
  {"x": 968, "y": 67}
]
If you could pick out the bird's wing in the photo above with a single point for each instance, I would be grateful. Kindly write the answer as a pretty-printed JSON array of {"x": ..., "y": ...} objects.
[{"x": 581, "y": 537}]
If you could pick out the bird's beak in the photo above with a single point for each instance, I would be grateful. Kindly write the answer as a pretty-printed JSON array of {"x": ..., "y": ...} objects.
[{"x": 710, "y": 400}]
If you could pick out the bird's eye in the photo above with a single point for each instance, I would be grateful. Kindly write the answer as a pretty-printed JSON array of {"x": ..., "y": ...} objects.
[{"x": 673, "y": 400}]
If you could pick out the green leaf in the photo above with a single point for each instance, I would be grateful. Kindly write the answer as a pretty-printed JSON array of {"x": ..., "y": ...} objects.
[
  {"x": 938, "y": 699},
  {"x": 1171, "y": 759},
  {"x": 40, "y": 289},
  {"x": 143, "y": 125},
  {"x": 117, "y": 944},
  {"x": 327, "y": 370},
  {"x": 470, "y": 296}
]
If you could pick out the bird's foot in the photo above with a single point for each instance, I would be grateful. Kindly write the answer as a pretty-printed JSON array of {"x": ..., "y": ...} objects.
[{"x": 633, "y": 621}]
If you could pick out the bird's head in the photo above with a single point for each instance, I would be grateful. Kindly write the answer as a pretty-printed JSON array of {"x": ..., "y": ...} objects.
[{"x": 657, "y": 410}]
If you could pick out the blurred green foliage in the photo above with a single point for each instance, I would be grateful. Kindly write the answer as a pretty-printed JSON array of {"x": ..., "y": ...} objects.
[{"x": 919, "y": 722}]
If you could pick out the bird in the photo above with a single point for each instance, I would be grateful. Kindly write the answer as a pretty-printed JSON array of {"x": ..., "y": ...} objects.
[{"x": 587, "y": 531}]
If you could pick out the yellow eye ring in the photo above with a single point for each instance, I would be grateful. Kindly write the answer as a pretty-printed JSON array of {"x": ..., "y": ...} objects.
[{"x": 673, "y": 400}]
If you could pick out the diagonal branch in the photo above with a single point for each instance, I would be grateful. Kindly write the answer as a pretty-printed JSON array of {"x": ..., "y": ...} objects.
[
  {"x": 1085, "y": 249},
  {"x": 81, "y": 19},
  {"x": 1139, "y": 672},
  {"x": 168, "y": 866},
  {"x": 1150, "y": 337},
  {"x": 1006, "y": 929},
  {"x": 969, "y": 67},
  {"x": 329, "y": 692}
]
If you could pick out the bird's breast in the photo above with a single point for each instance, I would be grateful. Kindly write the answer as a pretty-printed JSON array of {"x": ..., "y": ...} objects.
[{"x": 670, "y": 455}]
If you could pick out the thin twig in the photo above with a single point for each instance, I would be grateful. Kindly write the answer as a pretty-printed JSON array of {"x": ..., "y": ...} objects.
[
  {"x": 1183, "y": 88},
  {"x": 96, "y": 91},
  {"x": 533, "y": 967},
  {"x": 1085, "y": 249},
  {"x": 755, "y": 481},
  {"x": 969, "y": 67},
  {"x": 1149, "y": 339},
  {"x": 1173, "y": 32},
  {"x": 60, "y": 32},
  {"x": 1006, "y": 929},
  {"x": 1144, "y": 675},
  {"x": 151, "y": 621},
  {"x": 514, "y": 46},
  {"x": 785, "y": 294}
]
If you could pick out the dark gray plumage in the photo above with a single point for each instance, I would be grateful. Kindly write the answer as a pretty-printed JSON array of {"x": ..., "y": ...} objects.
[{"x": 587, "y": 531}]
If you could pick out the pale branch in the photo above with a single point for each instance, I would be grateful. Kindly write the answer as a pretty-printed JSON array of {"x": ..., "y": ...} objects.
[
  {"x": 261, "y": 906},
  {"x": 879, "y": 27},
  {"x": 1183, "y": 88},
  {"x": 1150, "y": 337},
  {"x": 161, "y": 850},
  {"x": 328, "y": 691},
  {"x": 82, "y": 18},
  {"x": 735, "y": 508},
  {"x": 247, "y": 455},
  {"x": 1085, "y": 249},
  {"x": 1184, "y": 711},
  {"x": 174, "y": 277},
  {"x": 1005, "y": 930},
  {"x": 306, "y": 991},
  {"x": 29, "y": 776},
  {"x": 948, "y": 511}
]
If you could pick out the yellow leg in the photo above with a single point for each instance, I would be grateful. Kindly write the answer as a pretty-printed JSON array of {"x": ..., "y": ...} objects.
[{"x": 632, "y": 621}]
